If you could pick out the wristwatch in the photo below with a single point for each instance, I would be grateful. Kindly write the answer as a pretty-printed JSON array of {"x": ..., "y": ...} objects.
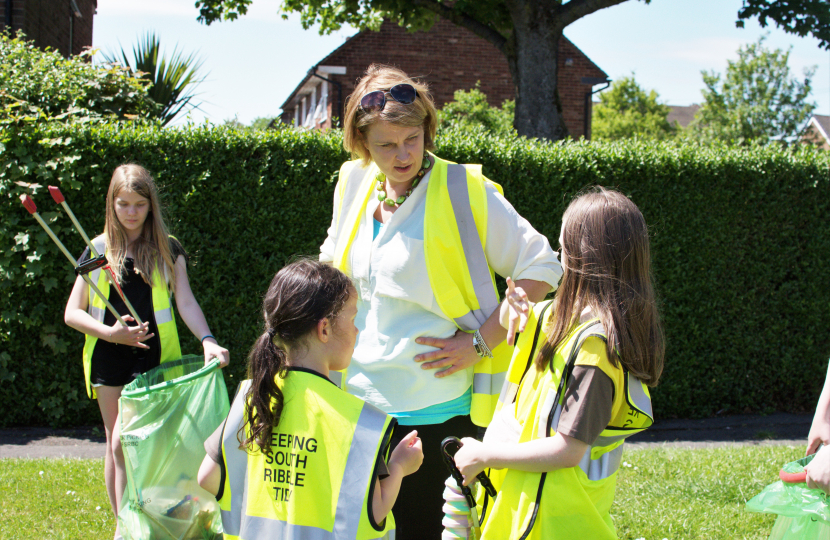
[{"x": 480, "y": 346}]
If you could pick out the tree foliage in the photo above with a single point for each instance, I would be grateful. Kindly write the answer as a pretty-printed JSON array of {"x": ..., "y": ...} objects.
[
  {"x": 757, "y": 100},
  {"x": 626, "y": 110},
  {"x": 470, "y": 109},
  {"x": 38, "y": 85},
  {"x": 527, "y": 32},
  {"x": 173, "y": 80},
  {"x": 799, "y": 17}
]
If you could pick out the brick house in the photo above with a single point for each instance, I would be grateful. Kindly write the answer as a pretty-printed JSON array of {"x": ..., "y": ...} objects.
[
  {"x": 448, "y": 58},
  {"x": 63, "y": 25},
  {"x": 817, "y": 132}
]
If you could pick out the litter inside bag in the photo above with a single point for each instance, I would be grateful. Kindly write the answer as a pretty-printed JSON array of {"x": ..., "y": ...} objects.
[
  {"x": 804, "y": 513},
  {"x": 166, "y": 415}
]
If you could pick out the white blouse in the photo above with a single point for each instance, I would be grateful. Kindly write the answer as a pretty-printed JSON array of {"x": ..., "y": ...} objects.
[{"x": 396, "y": 303}]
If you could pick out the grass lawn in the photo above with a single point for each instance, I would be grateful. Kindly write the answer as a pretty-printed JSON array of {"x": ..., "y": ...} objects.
[{"x": 661, "y": 493}]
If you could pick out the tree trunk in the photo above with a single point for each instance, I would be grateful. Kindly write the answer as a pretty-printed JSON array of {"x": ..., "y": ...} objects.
[{"x": 532, "y": 52}]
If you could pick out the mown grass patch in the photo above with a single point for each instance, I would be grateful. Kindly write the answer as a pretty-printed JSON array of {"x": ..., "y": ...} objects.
[
  {"x": 61, "y": 499},
  {"x": 661, "y": 493},
  {"x": 696, "y": 493}
]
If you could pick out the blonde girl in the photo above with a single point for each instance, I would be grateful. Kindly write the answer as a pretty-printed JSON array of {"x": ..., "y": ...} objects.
[
  {"x": 577, "y": 383},
  {"x": 150, "y": 266}
]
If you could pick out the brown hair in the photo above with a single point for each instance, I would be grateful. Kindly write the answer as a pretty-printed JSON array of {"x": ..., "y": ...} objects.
[
  {"x": 300, "y": 295},
  {"x": 357, "y": 122},
  {"x": 152, "y": 248},
  {"x": 607, "y": 267}
]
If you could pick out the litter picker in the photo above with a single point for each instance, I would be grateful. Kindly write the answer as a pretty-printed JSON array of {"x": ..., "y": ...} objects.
[
  {"x": 59, "y": 198},
  {"x": 84, "y": 268},
  {"x": 449, "y": 447}
]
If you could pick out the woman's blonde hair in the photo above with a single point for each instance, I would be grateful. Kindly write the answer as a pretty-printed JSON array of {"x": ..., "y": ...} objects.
[
  {"x": 153, "y": 246},
  {"x": 607, "y": 262},
  {"x": 357, "y": 121}
]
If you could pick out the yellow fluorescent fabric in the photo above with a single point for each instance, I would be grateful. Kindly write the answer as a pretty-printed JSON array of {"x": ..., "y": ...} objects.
[
  {"x": 456, "y": 227},
  {"x": 317, "y": 478},
  {"x": 570, "y": 505}
]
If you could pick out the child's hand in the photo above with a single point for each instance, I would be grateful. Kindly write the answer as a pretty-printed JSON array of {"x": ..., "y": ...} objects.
[
  {"x": 409, "y": 454},
  {"x": 129, "y": 335},
  {"x": 213, "y": 350},
  {"x": 514, "y": 311},
  {"x": 470, "y": 459}
]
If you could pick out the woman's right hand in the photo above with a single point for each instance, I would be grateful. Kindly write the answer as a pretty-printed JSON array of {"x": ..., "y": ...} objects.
[
  {"x": 129, "y": 335},
  {"x": 409, "y": 454},
  {"x": 514, "y": 311}
]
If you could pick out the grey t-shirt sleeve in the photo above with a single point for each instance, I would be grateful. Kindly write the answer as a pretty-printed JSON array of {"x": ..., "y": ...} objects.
[{"x": 589, "y": 399}]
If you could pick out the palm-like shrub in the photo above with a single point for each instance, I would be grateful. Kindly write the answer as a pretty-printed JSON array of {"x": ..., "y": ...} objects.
[{"x": 173, "y": 79}]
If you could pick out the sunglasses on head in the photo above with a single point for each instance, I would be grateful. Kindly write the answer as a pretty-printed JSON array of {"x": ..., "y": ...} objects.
[{"x": 376, "y": 100}]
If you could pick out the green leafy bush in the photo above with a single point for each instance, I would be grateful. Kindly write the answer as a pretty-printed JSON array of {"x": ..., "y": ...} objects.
[
  {"x": 740, "y": 247},
  {"x": 42, "y": 85}
]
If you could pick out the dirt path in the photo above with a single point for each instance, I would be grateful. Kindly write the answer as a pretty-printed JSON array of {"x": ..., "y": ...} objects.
[{"x": 778, "y": 428}]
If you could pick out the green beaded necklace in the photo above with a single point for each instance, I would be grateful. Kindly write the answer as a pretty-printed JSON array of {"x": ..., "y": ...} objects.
[{"x": 426, "y": 164}]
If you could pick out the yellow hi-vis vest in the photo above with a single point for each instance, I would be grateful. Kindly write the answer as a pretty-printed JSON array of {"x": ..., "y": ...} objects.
[
  {"x": 573, "y": 502},
  {"x": 455, "y": 233},
  {"x": 317, "y": 481},
  {"x": 162, "y": 311}
]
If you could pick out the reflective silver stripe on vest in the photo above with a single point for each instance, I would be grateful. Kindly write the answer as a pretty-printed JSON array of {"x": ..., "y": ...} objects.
[
  {"x": 473, "y": 250},
  {"x": 487, "y": 383},
  {"x": 97, "y": 313},
  {"x": 336, "y": 377},
  {"x": 638, "y": 395},
  {"x": 360, "y": 464},
  {"x": 353, "y": 185},
  {"x": 544, "y": 412},
  {"x": 508, "y": 392},
  {"x": 602, "y": 467},
  {"x": 163, "y": 315},
  {"x": 237, "y": 462}
]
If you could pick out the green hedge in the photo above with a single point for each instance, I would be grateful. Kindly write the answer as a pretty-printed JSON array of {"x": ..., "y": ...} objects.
[{"x": 740, "y": 248}]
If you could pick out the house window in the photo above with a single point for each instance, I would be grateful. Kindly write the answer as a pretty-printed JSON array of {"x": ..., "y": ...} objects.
[
  {"x": 321, "y": 114},
  {"x": 312, "y": 106}
]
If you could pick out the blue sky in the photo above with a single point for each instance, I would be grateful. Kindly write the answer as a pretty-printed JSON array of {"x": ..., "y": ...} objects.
[{"x": 255, "y": 62}]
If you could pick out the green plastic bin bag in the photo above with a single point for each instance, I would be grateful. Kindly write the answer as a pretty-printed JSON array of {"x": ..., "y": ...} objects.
[
  {"x": 803, "y": 513},
  {"x": 166, "y": 415}
]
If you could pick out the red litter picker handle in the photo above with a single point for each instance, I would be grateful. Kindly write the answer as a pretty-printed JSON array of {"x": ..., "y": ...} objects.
[
  {"x": 56, "y": 194},
  {"x": 29, "y": 204}
]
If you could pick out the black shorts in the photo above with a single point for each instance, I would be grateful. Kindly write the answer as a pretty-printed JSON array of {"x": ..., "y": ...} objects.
[{"x": 123, "y": 366}]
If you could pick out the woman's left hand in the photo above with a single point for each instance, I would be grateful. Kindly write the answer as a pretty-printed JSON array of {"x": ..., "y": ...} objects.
[
  {"x": 453, "y": 354},
  {"x": 470, "y": 459},
  {"x": 213, "y": 350}
]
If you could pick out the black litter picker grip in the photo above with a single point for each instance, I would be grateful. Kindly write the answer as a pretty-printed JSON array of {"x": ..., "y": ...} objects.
[
  {"x": 449, "y": 447},
  {"x": 90, "y": 265}
]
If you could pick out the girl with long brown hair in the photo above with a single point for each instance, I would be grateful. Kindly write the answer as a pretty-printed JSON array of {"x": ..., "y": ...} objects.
[
  {"x": 577, "y": 383},
  {"x": 317, "y": 454},
  {"x": 149, "y": 266}
]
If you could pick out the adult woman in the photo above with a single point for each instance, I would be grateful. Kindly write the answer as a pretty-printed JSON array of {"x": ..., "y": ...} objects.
[{"x": 420, "y": 254}]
